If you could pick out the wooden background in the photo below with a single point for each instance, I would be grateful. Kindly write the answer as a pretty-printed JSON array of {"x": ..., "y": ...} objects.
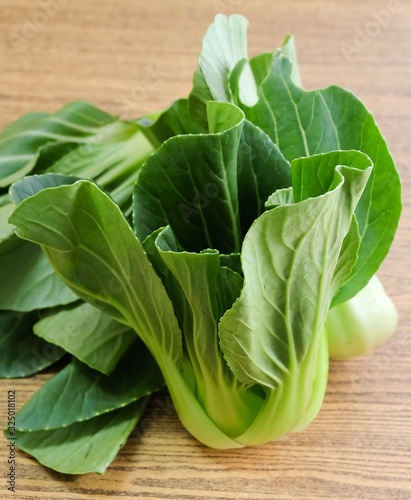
[{"x": 359, "y": 447}]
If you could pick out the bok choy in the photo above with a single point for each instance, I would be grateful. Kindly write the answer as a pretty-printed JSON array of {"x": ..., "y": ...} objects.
[{"x": 246, "y": 256}]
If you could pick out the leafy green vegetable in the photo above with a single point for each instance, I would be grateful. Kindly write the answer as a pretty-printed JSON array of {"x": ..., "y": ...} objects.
[
  {"x": 88, "y": 446},
  {"x": 207, "y": 177},
  {"x": 260, "y": 215},
  {"x": 77, "y": 141},
  {"x": 24, "y": 142},
  {"x": 79, "y": 419},
  {"x": 78, "y": 393},
  {"x": 303, "y": 123},
  {"x": 21, "y": 352},
  {"x": 6, "y": 230},
  {"x": 178, "y": 169},
  {"x": 32, "y": 282},
  {"x": 95, "y": 251},
  {"x": 92, "y": 336},
  {"x": 321, "y": 221},
  {"x": 104, "y": 262},
  {"x": 209, "y": 290},
  {"x": 273, "y": 335}
]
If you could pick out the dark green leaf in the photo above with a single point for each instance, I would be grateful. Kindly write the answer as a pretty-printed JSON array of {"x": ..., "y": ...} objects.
[
  {"x": 21, "y": 352},
  {"x": 176, "y": 120},
  {"x": 82, "y": 447},
  {"x": 31, "y": 281},
  {"x": 190, "y": 184},
  {"x": 78, "y": 393},
  {"x": 262, "y": 169},
  {"x": 32, "y": 184}
]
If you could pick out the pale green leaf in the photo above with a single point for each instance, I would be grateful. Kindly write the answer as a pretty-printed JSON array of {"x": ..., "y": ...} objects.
[
  {"x": 86, "y": 332},
  {"x": 224, "y": 45},
  {"x": 283, "y": 196},
  {"x": 6, "y": 230},
  {"x": 209, "y": 290},
  {"x": 94, "y": 250},
  {"x": 22, "y": 142},
  {"x": 304, "y": 123},
  {"x": 289, "y": 51},
  {"x": 289, "y": 257},
  {"x": 197, "y": 275}
]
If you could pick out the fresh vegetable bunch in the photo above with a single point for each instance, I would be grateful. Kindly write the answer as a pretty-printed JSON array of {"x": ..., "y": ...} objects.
[{"x": 225, "y": 247}]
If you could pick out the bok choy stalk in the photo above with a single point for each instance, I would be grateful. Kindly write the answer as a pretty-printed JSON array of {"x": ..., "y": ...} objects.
[{"x": 359, "y": 325}]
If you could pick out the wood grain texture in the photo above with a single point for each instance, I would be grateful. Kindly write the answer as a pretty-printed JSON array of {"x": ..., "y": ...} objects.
[{"x": 359, "y": 447}]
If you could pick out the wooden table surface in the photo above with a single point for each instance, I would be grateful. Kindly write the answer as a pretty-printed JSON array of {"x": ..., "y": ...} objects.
[{"x": 359, "y": 447}]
